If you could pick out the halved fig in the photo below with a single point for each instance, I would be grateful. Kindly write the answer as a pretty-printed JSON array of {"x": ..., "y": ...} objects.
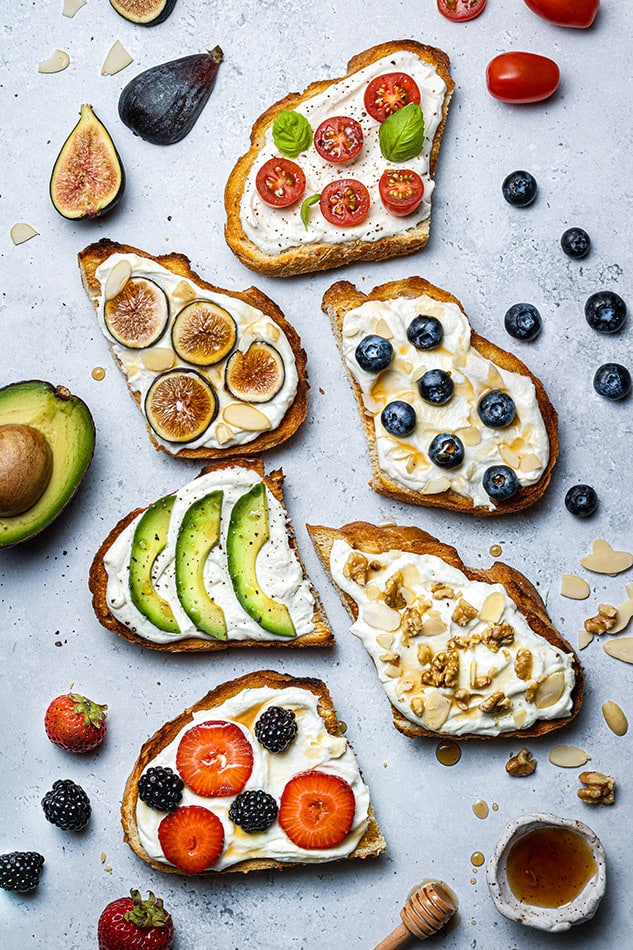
[
  {"x": 203, "y": 333},
  {"x": 88, "y": 178},
  {"x": 138, "y": 314},
  {"x": 144, "y": 12},
  {"x": 256, "y": 375},
  {"x": 180, "y": 405}
]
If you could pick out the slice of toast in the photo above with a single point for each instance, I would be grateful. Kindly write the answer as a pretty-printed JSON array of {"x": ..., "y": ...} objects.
[
  {"x": 242, "y": 701},
  {"x": 401, "y": 466},
  {"x": 109, "y": 574},
  {"x": 276, "y": 241},
  {"x": 278, "y": 419},
  {"x": 447, "y": 639}
]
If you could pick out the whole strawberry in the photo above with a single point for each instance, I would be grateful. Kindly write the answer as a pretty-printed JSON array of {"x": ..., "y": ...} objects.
[
  {"x": 75, "y": 723},
  {"x": 131, "y": 923}
]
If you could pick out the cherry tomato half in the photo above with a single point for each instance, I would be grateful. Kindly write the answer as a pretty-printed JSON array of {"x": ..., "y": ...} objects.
[
  {"x": 280, "y": 182},
  {"x": 387, "y": 93},
  {"x": 460, "y": 9},
  {"x": 401, "y": 190},
  {"x": 344, "y": 202},
  {"x": 576, "y": 13},
  {"x": 522, "y": 77},
  {"x": 338, "y": 139}
]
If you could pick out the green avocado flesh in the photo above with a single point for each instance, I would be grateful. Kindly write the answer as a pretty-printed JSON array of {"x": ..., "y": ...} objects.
[
  {"x": 198, "y": 534},
  {"x": 150, "y": 537},
  {"x": 248, "y": 532},
  {"x": 65, "y": 422}
]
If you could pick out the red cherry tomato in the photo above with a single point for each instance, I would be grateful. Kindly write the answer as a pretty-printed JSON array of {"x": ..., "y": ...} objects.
[
  {"x": 577, "y": 13},
  {"x": 338, "y": 139},
  {"x": 401, "y": 190},
  {"x": 280, "y": 182},
  {"x": 460, "y": 9},
  {"x": 344, "y": 202},
  {"x": 522, "y": 77},
  {"x": 388, "y": 93}
]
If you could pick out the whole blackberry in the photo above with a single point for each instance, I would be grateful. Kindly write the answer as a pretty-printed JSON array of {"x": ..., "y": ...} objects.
[
  {"x": 20, "y": 870},
  {"x": 254, "y": 810},
  {"x": 161, "y": 788},
  {"x": 276, "y": 728},
  {"x": 67, "y": 805}
]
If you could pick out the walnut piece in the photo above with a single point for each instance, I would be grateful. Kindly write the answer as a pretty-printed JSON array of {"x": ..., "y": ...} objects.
[
  {"x": 356, "y": 568},
  {"x": 462, "y": 698},
  {"x": 497, "y": 702},
  {"x": 498, "y": 635},
  {"x": 521, "y": 764},
  {"x": 481, "y": 682},
  {"x": 417, "y": 706},
  {"x": 442, "y": 591},
  {"x": 599, "y": 789},
  {"x": 393, "y": 592},
  {"x": 523, "y": 664},
  {"x": 604, "y": 620},
  {"x": 463, "y": 613},
  {"x": 444, "y": 670},
  {"x": 412, "y": 622}
]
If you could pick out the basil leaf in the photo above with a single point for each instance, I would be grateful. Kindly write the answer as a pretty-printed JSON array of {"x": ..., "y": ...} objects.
[
  {"x": 401, "y": 135},
  {"x": 292, "y": 133},
  {"x": 305, "y": 209}
]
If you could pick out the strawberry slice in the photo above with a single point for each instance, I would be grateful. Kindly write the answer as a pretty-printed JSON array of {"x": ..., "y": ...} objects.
[
  {"x": 317, "y": 810},
  {"x": 192, "y": 838},
  {"x": 215, "y": 759}
]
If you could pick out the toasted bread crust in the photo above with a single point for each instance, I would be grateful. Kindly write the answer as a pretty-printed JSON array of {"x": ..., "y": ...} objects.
[
  {"x": 371, "y": 539},
  {"x": 342, "y": 297},
  {"x": 317, "y": 257},
  {"x": 372, "y": 844},
  {"x": 95, "y": 254},
  {"x": 321, "y": 636}
]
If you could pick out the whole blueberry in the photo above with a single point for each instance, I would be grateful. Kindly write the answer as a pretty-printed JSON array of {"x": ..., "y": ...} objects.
[
  {"x": 446, "y": 450},
  {"x": 581, "y": 500},
  {"x": 519, "y": 189},
  {"x": 436, "y": 387},
  {"x": 605, "y": 311},
  {"x": 398, "y": 418},
  {"x": 612, "y": 380},
  {"x": 425, "y": 333},
  {"x": 374, "y": 353},
  {"x": 496, "y": 409},
  {"x": 576, "y": 243},
  {"x": 523, "y": 322},
  {"x": 500, "y": 482}
]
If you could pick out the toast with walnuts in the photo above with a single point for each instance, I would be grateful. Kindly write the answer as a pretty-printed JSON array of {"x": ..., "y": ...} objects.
[
  {"x": 460, "y": 652},
  {"x": 343, "y": 171},
  {"x": 210, "y": 566},
  {"x": 215, "y": 372},
  {"x": 282, "y": 747},
  {"x": 451, "y": 420}
]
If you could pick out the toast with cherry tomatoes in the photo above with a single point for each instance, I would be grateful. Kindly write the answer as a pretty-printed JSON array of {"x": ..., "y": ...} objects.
[{"x": 343, "y": 171}]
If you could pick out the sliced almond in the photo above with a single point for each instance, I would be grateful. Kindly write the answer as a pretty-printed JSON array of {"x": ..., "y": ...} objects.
[
  {"x": 384, "y": 640},
  {"x": 117, "y": 59},
  {"x": 381, "y": 617},
  {"x": 629, "y": 590},
  {"x": 433, "y": 626},
  {"x": 584, "y": 638},
  {"x": 604, "y": 560},
  {"x": 470, "y": 436},
  {"x": 435, "y": 487},
  {"x": 56, "y": 62},
  {"x": 530, "y": 463},
  {"x": 372, "y": 405},
  {"x": 509, "y": 456},
  {"x": 405, "y": 367},
  {"x": 550, "y": 690},
  {"x": 620, "y": 649},
  {"x": 623, "y": 618},
  {"x": 71, "y": 7},
  {"x": 117, "y": 279},
  {"x": 22, "y": 232},
  {"x": 383, "y": 329},
  {"x": 615, "y": 718},
  {"x": 460, "y": 359},
  {"x": 574, "y": 587},
  {"x": 568, "y": 756},
  {"x": 393, "y": 672},
  {"x": 273, "y": 332},
  {"x": 245, "y": 417},
  {"x": 351, "y": 331},
  {"x": 436, "y": 710},
  {"x": 492, "y": 607},
  {"x": 410, "y": 464},
  {"x": 158, "y": 359},
  {"x": 495, "y": 380},
  {"x": 184, "y": 293},
  {"x": 223, "y": 434}
]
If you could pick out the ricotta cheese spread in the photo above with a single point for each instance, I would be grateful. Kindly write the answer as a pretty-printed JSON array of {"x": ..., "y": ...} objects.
[
  {"x": 278, "y": 568},
  {"x": 453, "y": 655},
  {"x": 523, "y": 445},
  {"x": 313, "y": 748},
  {"x": 274, "y": 230}
]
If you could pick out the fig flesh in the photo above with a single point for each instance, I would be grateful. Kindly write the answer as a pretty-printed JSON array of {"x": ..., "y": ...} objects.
[
  {"x": 163, "y": 103},
  {"x": 144, "y": 12},
  {"x": 256, "y": 375},
  {"x": 26, "y": 463},
  {"x": 88, "y": 178},
  {"x": 180, "y": 405},
  {"x": 203, "y": 333},
  {"x": 137, "y": 316}
]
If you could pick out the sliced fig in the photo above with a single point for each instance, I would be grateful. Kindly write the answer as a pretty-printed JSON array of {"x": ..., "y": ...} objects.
[
  {"x": 203, "y": 333},
  {"x": 256, "y": 375},
  {"x": 180, "y": 405},
  {"x": 144, "y": 12},
  {"x": 88, "y": 178},
  {"x": 138, "y": 314}
]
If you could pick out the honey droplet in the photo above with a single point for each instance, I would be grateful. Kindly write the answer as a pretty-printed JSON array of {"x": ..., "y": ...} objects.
[
  {"x": 342, "y": 727},
  {"x": 473, "y": 880},
  {"x": 496, "y": 550},
  {"x": 477, "y": 859},
  {"x": 448, "y": 752},
  {"x": 495, "y": 807},
  {"x": 98, "y": 372},
  {"x": 480, "y": 809}
]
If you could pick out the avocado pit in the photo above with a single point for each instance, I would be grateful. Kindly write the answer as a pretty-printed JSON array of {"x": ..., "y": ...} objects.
[{"x": 26, "y": 465}]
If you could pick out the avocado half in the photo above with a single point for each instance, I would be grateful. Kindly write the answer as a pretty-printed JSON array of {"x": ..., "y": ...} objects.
[{"x": 66, "y": 424}]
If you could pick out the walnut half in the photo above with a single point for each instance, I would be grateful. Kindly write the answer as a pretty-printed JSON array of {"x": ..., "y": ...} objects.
[
  {"x": 521, "y": 764},
  {"x": 356, "y": 568},
  {"x": 463, "y": 613},
  {"x": 599, "y": 789},
  {"x": 497, "y": 702}
]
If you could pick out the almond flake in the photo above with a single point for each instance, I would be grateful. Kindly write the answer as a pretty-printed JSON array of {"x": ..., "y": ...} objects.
[
  {"x": 393, "y": 672},
  {"x": 604, "y": 560},
  {"x": 435, "y": 487},
  {"x": 574, "y": 587},
  {"x": 436, "y": 710},
  {"x": 117, "y": 59},
  {"x": 351, "y": 331},
  {"x": 372, "y": 405},
  {"x": 245, "y": 417},
  {"x": 22, "y": 232},
  {"x": 584, "y": 639},
  {"x": 495, "y": 380},
  {"x": 117, "y": 279},
  {"x": 223, "y": 434},
  {"x": 184, "y": 292},
  {"x": 615, "y": 718},
  {"x": 492, "y": 608},
  {"x": 568, "y": 756},
  {"x": 273, "y": 332},
  {"x": 410, "y": 464},
  {"x": 508, "y": 456},
  {"x": 384, "y": 640},
  {"x": 433, "y": 626},
  {"x": 381, "y": 617},
  {"x": 405, "y": 367},
  {"x": 620, "y": 649},
  {"x": 623, "y": 618},
  {"x": 470, "y": 436},
  {"x": 383, "y": 329},
  {"x": 72, "y": 6},
  {"x": 56, "y": 62},
  {"x": 158, "y": 359},
  {"x": 550, "y": 690},
  {"x": 530, "y": 463}
]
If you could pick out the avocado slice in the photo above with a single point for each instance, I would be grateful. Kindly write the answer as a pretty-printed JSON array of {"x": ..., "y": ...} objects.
[
  {"x": 65, "y": 423},
  {"x": 248, "y": 532},
  {"x": 198, "y": 534},
  {"x": 150, "y": 537}
]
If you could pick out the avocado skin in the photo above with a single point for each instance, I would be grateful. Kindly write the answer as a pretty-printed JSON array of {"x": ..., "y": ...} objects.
[
  {"x": 248, "y": 532},
  {"x": 198, "y": 534},
  {"x": 66, "y": 423},
  {"x": 149, "y": 540}
]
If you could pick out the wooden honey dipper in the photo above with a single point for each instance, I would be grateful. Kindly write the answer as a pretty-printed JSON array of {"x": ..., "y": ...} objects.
[{"x": 426, "y": 911}]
